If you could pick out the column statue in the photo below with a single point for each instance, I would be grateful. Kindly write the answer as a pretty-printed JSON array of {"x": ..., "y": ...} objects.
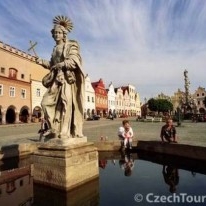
[{"x": 187, "y": 83}]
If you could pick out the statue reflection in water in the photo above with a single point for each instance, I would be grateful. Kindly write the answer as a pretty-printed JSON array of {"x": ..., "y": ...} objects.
[
  {"x": 126, "y": 163},
  {"x": 171, "y": 177}
]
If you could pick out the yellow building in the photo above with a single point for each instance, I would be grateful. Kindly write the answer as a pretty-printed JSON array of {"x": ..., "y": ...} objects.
[
  {"x": 177, "y": 99},
  {"x": 199, "y": 98}
]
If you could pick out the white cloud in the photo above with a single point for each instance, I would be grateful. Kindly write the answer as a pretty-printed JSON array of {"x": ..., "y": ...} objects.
[{"x": 146, "y": 43}]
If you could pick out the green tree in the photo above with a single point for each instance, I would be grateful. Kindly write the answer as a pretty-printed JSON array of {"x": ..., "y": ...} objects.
[
  {"x": 164, "y": 105},
  {"x": 152, "y": 105},
  {"x": 160, "y": 105}
]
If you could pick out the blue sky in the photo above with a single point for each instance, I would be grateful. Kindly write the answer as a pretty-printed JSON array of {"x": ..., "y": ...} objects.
[{"x": 148, "y": 43}]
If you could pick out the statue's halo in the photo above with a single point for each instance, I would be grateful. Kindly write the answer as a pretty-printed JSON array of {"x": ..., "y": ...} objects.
[{"x": 63, "y": 21}]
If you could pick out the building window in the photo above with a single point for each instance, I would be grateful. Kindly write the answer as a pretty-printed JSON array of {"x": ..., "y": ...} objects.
[
  {"x": 12, "y": 73},
  {"x": 1, "y": 89},
  {"x": 92, "y": 99},
  {"x": 23, "y": 93},
  {"x": 203, "y": 94},
  {"x": 2, "y": 70},
  {"x": 88, "y": 99},
  {"x": 21, "y": 183},
  {"x": 22, "y": 76},
  {"x": 198, "y": 102},
  {"x": 198, "y": 95},
  {"x": 12, "y": 91},
  {"x": 38, "y": 92}
]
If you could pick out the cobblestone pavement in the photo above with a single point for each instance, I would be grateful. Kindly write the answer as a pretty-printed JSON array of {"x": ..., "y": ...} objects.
[{"x": 188, "y": 132}]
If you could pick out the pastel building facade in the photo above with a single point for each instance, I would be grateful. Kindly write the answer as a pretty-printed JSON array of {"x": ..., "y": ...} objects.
[
  {"x": 111, "y": 99},
  {"x": 37, "y": 93},
  {"x": 101, "y": 100},
  {"x": 137, "y": 105},
  {"x": 132, "y": 94},
  {"x": 17, "y": 68},
  {"x": 119, "y": 101},
  {"x": 90, "y": 108},
  {"x": 21, "y": 90},
  {"x": 132, "y": 103},
  {"x": 199, "y": 98}
]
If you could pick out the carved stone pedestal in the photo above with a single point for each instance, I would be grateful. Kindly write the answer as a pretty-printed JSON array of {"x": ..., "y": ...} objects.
[{"x": 65, "y": 166}]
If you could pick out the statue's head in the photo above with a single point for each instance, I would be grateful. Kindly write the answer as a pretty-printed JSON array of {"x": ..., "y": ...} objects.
[
  {"x": 59, "y": 27},
  {"x": 62, "y": 23}
]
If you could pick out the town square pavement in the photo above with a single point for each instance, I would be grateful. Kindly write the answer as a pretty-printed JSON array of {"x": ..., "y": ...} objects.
[{"x": 188, "y": 133}]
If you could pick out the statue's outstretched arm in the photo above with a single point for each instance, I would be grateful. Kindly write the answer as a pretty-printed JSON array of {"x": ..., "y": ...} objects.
[{"x": 43, "y": 62}]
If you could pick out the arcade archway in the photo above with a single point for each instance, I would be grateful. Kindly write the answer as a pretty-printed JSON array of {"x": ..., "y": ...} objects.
[
  {"x": 24, "y": 114},
  {"x": 10, "y": 115},
  {"x": 37, "y": 112}
]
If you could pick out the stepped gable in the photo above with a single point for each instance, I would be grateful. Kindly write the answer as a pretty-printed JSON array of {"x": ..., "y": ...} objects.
[{"x": 99, "y": 83}]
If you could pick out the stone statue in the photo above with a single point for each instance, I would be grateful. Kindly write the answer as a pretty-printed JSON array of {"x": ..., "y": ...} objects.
[{"x": 63, "y": 102}]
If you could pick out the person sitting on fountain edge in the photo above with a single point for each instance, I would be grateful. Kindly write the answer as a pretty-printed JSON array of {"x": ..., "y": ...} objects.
[
  {"x": 168, "y": 132},
  {"x": 44, "y": 129},
  {"x": 125, "y": 133}
]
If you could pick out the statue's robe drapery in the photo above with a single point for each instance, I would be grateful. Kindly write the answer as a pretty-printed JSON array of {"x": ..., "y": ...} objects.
[{"x": 63, "y": 103}]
